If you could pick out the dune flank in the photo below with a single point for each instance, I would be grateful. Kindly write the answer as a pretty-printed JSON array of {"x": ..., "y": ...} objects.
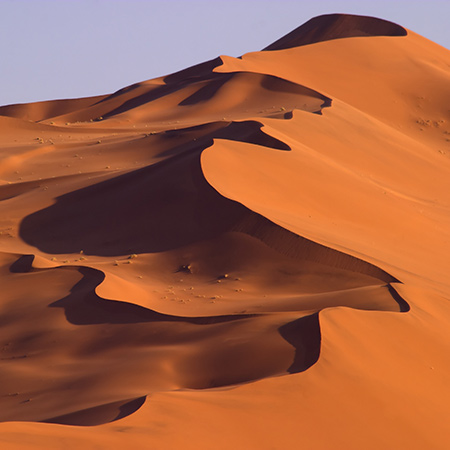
[{"x": 250, "y": 253}]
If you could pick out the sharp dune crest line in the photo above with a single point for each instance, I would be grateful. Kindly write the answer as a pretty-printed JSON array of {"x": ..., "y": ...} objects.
[{"x": 254, "y": 248}]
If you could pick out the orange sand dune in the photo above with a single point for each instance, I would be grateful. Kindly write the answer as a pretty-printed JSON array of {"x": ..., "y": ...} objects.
[{"x": 250, "y": 253}]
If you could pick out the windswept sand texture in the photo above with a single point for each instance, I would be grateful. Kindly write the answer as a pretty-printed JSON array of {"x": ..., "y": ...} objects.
[{"x": 252, "y": 253}]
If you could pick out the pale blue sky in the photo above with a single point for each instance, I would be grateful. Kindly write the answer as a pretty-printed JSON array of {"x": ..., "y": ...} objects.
[{"x": 78, "y": 48}]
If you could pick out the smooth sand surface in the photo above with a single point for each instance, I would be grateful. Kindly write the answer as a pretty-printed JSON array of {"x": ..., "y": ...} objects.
[{"x": 251, "y": 253}]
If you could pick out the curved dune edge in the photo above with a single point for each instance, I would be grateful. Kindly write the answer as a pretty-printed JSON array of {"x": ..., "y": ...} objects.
[
  {"x": 101, "y": 414},
  {"x": 336, "y": 26},
  {"x": 354, "y": 61},
  {"x": 350, "y": 185}
]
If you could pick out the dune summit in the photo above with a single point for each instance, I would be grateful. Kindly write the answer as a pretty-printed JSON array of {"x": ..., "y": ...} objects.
[{"x": 250, "y": 253}]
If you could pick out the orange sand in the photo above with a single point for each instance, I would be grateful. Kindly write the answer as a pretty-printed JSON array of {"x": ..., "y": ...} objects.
[{"x": 252, "y": 253}]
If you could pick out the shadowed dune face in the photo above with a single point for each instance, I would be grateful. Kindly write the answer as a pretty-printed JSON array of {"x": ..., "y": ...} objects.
[
  {"x": 336, "y": 26},
  {"x": 160, "y": 208},
  {"x": 100, "y": 414},
  {"x": 257, "y": 229}
]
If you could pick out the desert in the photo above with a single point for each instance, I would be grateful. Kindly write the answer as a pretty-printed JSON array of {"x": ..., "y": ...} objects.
[{"x": 250, "y": 253}]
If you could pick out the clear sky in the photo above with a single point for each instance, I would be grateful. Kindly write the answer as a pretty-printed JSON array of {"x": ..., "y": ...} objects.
[{"x": 76, "y": 48}]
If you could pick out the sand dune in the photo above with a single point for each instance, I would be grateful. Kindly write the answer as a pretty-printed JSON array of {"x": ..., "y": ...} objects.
[
  {"x": 250, "y": 253},
  {"x": 336, "y": 26}
]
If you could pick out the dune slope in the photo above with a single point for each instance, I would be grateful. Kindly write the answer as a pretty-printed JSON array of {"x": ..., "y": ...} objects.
[{"x": 249, "y": 253}]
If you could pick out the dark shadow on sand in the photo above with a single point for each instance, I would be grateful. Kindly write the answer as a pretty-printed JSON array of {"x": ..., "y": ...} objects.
[
  {"x": 99, "y": 415},
  {"x": 303, "y": 334},
  {"x": 336, "y": 26}
]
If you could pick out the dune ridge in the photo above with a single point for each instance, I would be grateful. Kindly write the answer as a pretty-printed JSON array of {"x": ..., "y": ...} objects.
[
  {"x": 336, "y": 26},
  {"x": 251, "y": 244}
]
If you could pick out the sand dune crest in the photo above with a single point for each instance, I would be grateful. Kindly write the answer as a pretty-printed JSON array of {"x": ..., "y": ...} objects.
[{"x": 336, "y": 26}]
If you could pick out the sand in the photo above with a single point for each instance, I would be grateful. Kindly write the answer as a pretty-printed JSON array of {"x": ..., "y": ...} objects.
[{"x": 251, "y": 253}]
